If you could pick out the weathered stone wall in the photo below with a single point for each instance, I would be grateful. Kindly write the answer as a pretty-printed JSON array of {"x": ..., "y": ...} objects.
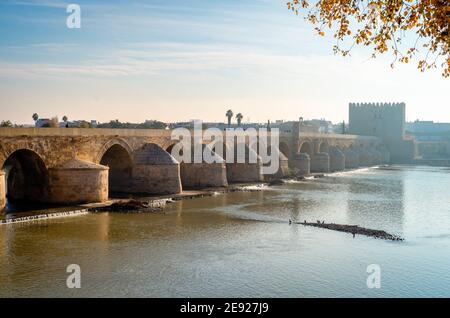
[
  {"x": 244, "y": 172},
  {"x": 320, "y": 162},
  {"x": 283, "y": 170},
  {"x": 155, "y": 171},
  {"x": 202, "y": 175},
  {"x": 156, "y": 179},
  {"x": 151, "y": 170},
  {"x": 57, "y": 145},
  {"x": 385, "y": 155},
  {"x": 351, "y": 159},
  {"x": 376, "y": 156},
  {"x": 337, "y": 159},
  {"x": 302, "y": 162},
  {"x": 2, "y": 190},
  {"x": 77, "y": 182},
  {"x": 365, "y": 158}
]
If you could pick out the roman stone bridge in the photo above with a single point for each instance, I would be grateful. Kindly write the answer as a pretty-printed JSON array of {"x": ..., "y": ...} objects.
[{"x": 71, "y": 165}]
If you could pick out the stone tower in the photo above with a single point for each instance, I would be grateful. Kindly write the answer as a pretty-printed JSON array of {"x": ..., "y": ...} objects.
[{"x": 383, "y": 120}]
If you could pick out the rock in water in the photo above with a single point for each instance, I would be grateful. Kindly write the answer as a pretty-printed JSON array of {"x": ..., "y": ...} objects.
[{"x": 276, "y": 182}]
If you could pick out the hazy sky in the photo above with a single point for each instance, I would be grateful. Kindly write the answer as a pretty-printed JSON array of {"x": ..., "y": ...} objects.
[{"x": 191, "y": 59}]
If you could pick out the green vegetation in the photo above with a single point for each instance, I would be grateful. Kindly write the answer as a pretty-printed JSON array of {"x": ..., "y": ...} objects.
[
  {"x": 9, "y": 124},
  {"x": 154, "y": 124},
  {"x": 6, "y": 123}
]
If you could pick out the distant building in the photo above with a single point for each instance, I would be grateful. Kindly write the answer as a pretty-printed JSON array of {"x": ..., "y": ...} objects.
[
  {"x": 386, "y": 121},
  {"x": 309, "y": 126},
  {"x": 79, "y": 124},
  {"x": 429, "y": 128},
  {"x": 221, "y": 126},
  {"x": 42, "y": 122},
  {"x": 323, "y": 126},
  {"x": 432, "y": 139}
]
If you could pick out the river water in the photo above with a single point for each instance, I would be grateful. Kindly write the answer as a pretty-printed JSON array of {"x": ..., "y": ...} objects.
[{"x": 241, "y": 245}]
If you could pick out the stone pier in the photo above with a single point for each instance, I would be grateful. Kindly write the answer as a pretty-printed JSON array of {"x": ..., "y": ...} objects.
[
  {"x": 351, "y": 159},
  {"x": 77, "y": 181},
  {"x": 385, "y": 155},
  {"x": 245, "y": 172},
  {"x": 376, "y": 156},
  {"x": 283, "y": 169},
  {"x": 155, "y": 172},
  {"x": 320, "y": 162},
  {"x": 337, "y": 159},
  {"x": 203, "y": 174},
  {"x": 302, "y": 162},
  {"x": 365, "y": 157}
]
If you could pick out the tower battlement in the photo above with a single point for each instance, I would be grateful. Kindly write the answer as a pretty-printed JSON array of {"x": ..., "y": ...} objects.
[
  {"x": 383, "y": 120},
  {"x": 376, "y": 105}
]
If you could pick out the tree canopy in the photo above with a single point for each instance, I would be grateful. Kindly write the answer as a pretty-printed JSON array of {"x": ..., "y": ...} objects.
[
  {"x": 6, "y": 123},
  {"x": 154, "y": 124},
  {"x": 384, "y": 25}
]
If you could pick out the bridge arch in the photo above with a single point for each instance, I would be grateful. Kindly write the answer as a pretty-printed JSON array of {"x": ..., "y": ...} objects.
[
  {"x": 26, "y": 177},
  {"x": 324, "y": 147},
  {"x": 118, "y": 157},
  {"x": 106, "y": 146},
  {"x": 306, "y": 147}
]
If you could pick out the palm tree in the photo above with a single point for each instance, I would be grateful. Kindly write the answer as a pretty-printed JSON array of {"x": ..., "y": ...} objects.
[
  {"x": 239, "y": 118},
  {"x": 229, "y": 114},
  {"x": 35, "y": 117}
]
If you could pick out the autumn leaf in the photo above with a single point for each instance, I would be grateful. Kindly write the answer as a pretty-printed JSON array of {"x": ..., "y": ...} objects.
[{"x": 383, "y": 24}]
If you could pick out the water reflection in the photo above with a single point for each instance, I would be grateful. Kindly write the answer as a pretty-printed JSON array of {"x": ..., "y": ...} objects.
[
  {"x": 241, "y": 245},
  {"x": 376, "y": 201}
]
